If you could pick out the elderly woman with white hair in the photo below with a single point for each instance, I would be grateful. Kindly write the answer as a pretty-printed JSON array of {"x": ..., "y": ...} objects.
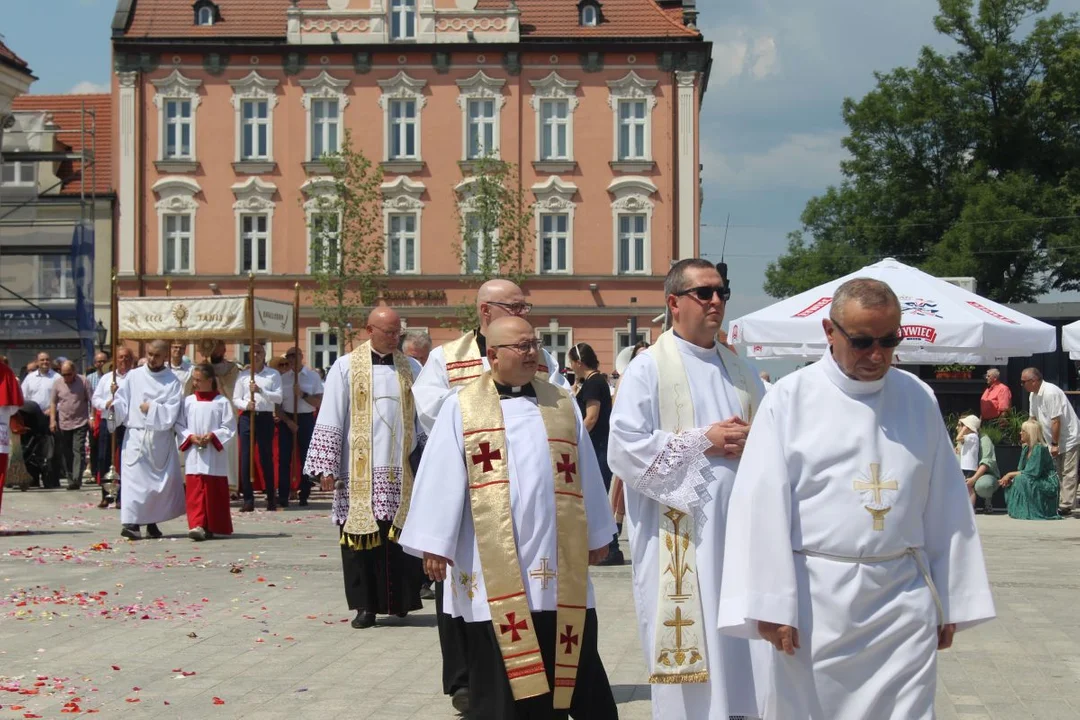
[
  {"x": 1032, "y": 490},
  {"x": 978, "y": 459}
]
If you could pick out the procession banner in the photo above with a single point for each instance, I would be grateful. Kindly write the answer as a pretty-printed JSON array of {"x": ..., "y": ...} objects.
[{"x": 221, "y": 317}]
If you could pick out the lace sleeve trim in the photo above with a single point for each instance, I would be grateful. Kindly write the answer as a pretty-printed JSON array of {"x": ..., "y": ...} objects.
[
  {"x": 680, "y": 474},
  {"x": 324, "y": 453}
]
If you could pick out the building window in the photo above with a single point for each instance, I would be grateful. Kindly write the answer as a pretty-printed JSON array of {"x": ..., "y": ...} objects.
[
  {"x": 557, "y": 343},
  {"x": 256, "y": 130},
  {"x": 324, "y": 349},
  {"x": 325, "y": 236},
  {"x": 243, "y": 353},
  {"x": 403, "y": 130},
  {"x": 633, "y": 241},
  {"x": 253, "y": 101},
  {"x": 254, "y": 243},
  {"x": 555, "y": 130},
  {"x": 178, "y": 129},
  {"x": 18, "y": 173},
  {"x": 177, "y": 244},
  {"x": 480, "y": 245},
  {"x": 401, "y": 243},
  {"x": 623, "y": 339},
  {"x": 632, "y": 127},
  {"x": 589, "y": 16},
  {"x": 554, "y": 242},
  {"x": 205, "y": 16},
  {"x": 55, "y": 279},
  {"x": 325, "y": 101},
  {"x": 403, "y": 20},
  {"x": 481, "y": 128},
  {"x": 324, "y": 128}
]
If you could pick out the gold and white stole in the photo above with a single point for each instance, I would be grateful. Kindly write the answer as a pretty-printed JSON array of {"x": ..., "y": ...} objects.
[
  {"x": 679, "y": 652},
  {"x": 361, "y": 531},
  {"x": 493, "y": 521},
  {"x": 464, "y": 363}
]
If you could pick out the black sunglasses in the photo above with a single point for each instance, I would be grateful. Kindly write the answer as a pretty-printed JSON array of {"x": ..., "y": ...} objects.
[
  {"x": 705, "y": 293},
  {"x": 864, "y": 342}
]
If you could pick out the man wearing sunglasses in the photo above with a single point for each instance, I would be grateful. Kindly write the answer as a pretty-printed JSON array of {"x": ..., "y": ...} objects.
[
  {"x": 851, "y": 546},
  {"x": 678, "y": 427}
]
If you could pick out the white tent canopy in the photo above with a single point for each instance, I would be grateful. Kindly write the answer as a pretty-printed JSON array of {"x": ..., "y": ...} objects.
[
  {"x": 941, "y": 323},
  {"x": 1070, "y": 339}
]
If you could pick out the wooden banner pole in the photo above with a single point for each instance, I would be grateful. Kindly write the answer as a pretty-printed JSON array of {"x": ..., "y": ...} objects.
[
  {"x": 251, "y": 367},
  {"x": 296, "y": 386}
]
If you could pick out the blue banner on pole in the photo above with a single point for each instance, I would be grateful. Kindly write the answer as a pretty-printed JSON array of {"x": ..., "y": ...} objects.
[{"x": 82, "y": 275}]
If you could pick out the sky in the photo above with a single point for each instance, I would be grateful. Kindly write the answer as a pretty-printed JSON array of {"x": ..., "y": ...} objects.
[{"x": 770, "y": 129}]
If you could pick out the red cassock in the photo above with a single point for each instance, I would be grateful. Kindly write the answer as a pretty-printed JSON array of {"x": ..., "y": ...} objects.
[
  {"x": 11, "y": 399},
  {"x": 206, "y": 484}
]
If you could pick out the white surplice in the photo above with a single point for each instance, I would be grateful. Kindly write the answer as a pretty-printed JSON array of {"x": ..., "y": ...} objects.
[
  {"x": 103, "y": 391},
  {"x": 823, "y": 449},
  {"x": 329, "y": 450},
  {"x": 657, "y": 467},
  {"x": 207, "y": 416},
  {"x": 440, "y": 517},
  {"x": 153, "y": 487},
  {"x": 433, "y": 385}
]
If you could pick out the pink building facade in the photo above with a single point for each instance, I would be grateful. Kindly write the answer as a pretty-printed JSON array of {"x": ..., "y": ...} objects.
[{"x": 224, "y": 110}]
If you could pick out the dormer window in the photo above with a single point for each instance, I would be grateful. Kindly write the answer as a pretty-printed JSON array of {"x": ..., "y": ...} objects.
[
  {"x": 403, "y": 19},
  {"x": 589, "y": 13},
  {"x": 206, "y": 13}
]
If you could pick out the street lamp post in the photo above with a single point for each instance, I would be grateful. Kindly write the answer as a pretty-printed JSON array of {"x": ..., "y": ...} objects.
[{"x": 102, "y": 334}]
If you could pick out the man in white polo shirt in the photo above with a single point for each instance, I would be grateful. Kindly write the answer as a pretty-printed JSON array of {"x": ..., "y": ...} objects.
[
  {"x": 37, "y": 388},
  {"x": 1048, "y": 404},
  {"x": 305, "y": 401}
]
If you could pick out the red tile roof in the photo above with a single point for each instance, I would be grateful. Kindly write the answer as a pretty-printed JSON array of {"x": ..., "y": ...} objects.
[
  {"x": 8, "y": 55},
  {"x": 67, "y": 113},
  {"x": 163, "y": 19}
]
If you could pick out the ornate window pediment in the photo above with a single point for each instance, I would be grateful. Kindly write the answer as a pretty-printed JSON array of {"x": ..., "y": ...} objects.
[
  {"x": 631, "y": 87},
  {"x": 254, "y": 195},
  {"x": 554, "y": 195},
  {"x": 324, "y": 86},
  {"x": 403, "y": 194},
  {"x": 177, "y": 87},
  {"x": 254, "y": 87},
  {"x": 402, "y": 87},
  {"x": 177, "y": 194}
]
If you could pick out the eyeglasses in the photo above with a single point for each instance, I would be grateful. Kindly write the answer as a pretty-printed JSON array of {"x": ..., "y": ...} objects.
[
  {"x": 518, "y": 309},
  {"x": 705, "y": 293},
  {"x": 522, "y": 348},
  {"x": 864, "y": 342},
  {"x": 67, "y": 375}
]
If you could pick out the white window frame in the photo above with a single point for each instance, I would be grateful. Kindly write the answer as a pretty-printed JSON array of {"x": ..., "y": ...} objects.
[
  {"x": 477, "y": 88},
  {"x": 254, "y": 236},
  {"x": 632, "y": 87},
  {"x": 556, "y": 350},
  {"x": 631, "y": 123},
  {"x": 177, "y": 88},
  {"x": 554, "y": 88},
  {"x": 402, "y": 196},
  {"x": 180, "y": 237},
  {"x": 404, "y": 237},
  {"x": 17, "y": 167},
  {"x": 482, "y": 247},
  {"x": 243, "y": 357},
  {"x": 482, "y": 123},
  {"x": 334, "y": 236},
  {"x": 467, "y": 207},
  {"x": 632, "y": 197},
  {"x": 313, "y": 349},
  {"x": 256, "y": 88},
  {"x": 323, "y": 87},
  {"x": 554, "y": 196},
  {"x": 176, "y": 195},
  {"x": 321, "y": 193},
  {"x": 402, "y": 87},
  {"x": 255, "y": 196},
  {"x": 399, "y": 127},
  {"x": 205, "y": 16},
  {"x": 623, "y": 332},
  {"x": 403, "y": 11},
  {"x": 256, "y": 124},
  {"x": 589, "y": 19},
  {"x": 67, "y": 279}
]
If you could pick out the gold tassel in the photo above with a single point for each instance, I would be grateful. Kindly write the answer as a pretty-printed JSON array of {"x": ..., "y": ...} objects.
[{"x": 361, "y": 542}]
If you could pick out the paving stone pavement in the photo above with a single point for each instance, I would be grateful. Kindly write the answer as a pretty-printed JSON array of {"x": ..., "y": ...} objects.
[{"x": 255, "y": 626}]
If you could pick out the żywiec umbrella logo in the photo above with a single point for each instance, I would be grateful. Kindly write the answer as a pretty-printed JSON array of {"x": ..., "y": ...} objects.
[
  {"x": 918, "y": 332},
  {"x": 920, "y": 307}
]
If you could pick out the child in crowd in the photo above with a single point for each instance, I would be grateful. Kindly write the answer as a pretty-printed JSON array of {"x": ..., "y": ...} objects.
[{"x": 207, "y": 424}]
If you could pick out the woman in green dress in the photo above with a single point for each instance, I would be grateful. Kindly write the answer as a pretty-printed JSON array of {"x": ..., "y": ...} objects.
[
  {"x": 983, "y": 482},
  {"x": 1032, "y": 491}
]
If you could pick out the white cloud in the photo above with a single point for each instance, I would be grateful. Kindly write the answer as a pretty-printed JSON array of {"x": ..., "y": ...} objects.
[
  {"x": 799, "y": 160},
  {"x": 743, "y": 51},
  {"x": 88, "y": 88}
]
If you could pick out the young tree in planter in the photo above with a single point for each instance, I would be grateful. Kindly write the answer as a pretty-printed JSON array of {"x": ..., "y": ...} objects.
[
  {"x": 347, "y": 240},
  {"x": 494, "y": 221}
]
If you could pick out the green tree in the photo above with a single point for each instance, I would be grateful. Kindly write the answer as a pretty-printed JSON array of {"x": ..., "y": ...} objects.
[
  {"x": 966, "y": 164},
  {"x": 347, "y": 240},
  {"x": 494, "y": 222}
]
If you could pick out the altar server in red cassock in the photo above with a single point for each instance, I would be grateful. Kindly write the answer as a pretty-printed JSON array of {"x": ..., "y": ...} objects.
[
  {"x": 206, "y": 426},
  {"x": 11, "y": 399}
]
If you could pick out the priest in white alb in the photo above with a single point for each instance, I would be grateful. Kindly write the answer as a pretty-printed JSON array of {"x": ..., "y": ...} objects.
[
  {"x": 508, "y": 510},
  {"x": 148, "y": 403},
  {"x": 678, "y": 428},
  {"x": 360, "y": 449},
  {"x": 852, "y": 545}
]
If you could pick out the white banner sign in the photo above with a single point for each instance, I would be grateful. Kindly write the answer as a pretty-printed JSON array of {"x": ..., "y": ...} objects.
[{"x": 221, "y": 317}]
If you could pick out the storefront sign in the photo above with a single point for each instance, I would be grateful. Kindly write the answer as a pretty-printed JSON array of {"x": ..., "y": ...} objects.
[
  {"x": 53, "y": 324},
  {"x": 420, "y": 297}
]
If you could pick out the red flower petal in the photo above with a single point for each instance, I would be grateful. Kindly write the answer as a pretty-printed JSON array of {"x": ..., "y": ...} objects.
[
  {"x": 218, "y": 701},
  {"x": 115, "y": 667}
]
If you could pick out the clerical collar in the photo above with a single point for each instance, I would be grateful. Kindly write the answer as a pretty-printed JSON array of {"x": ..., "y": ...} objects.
[
  {"x": 481, "y": 343},
  {"x": 695, "y": 350},
  {"x": 509, "y": 391},
  {"x": 849, "y": 385},
  {"x": 154, "y": 369},
  {"x": 377, "y": 359},
  {"x": 206, "y": 396}
]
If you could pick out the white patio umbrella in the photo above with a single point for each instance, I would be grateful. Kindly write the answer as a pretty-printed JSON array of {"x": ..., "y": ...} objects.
[
  {"x": 941, "y": 323},
  {"x": 1070, "y": 339}
]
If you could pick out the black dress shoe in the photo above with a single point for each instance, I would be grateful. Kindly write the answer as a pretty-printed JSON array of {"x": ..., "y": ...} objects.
[
  {"x": 248, "y": 506},
  {"x": 131, "y": 532},
  {"x": 460, "y": 700},
  {"x": 615, "y": 558},
  {"x": 271, "y": 506},
  {"x": 363, "y": 620},
  {"x": 154, "y": 531},
  {"x": 302, "y": 503}
]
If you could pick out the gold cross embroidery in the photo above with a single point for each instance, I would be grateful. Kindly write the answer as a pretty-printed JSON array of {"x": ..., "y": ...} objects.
[
  {"x": 875, "y": 486},
  {"x": 544, "y": 573}
]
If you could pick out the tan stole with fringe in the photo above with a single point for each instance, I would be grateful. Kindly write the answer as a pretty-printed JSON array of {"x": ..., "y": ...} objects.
[
  {"x": 679, "y": 650},
  {"x": 361, "y": 530},
  {"x": 493, "y": 521},
  {"x": 464, "y": 363}
]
